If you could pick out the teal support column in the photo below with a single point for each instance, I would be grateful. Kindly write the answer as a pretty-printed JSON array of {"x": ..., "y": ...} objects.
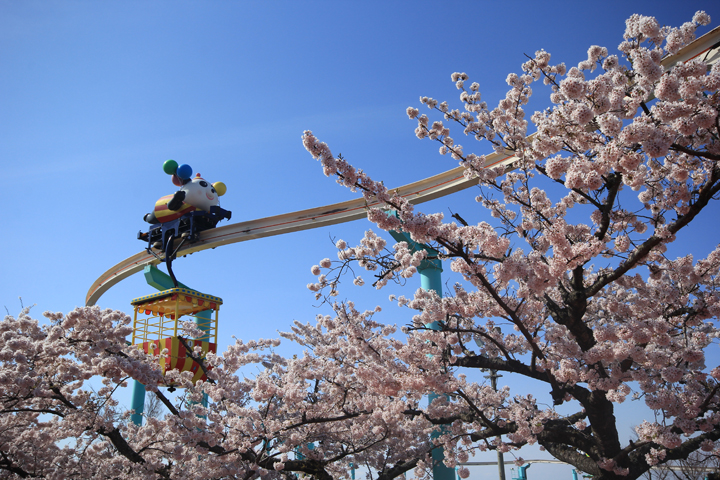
[
  {"x": 161, "y": 281},
  {"x": 138, "y": 402},
  {"x": 430, "y": 271},
  {"x": 158, "y": 279}
]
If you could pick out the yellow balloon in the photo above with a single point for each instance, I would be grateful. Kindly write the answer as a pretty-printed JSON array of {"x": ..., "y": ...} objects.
[{"x": 220, "y": 188}]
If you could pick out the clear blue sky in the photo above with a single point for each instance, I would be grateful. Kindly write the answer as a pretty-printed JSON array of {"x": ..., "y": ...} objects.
[{"x": 94, "y": 96}]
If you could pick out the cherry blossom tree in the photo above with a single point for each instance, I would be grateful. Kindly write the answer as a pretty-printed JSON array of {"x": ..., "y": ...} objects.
[
  {"x": 54, "y": 425},
  {"x": 567, "y": 282},
  {"x": 571, "y": 262}
]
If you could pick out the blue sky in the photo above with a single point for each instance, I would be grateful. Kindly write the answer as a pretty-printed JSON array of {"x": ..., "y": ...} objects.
[{"x": 94, "y": 96}]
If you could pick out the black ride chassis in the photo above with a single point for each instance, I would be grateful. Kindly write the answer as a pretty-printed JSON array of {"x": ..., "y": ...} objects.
[{"x": 188, "y": 227}]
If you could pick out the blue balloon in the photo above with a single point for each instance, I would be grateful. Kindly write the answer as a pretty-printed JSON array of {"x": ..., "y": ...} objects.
[{"x": 184, "y": 171}]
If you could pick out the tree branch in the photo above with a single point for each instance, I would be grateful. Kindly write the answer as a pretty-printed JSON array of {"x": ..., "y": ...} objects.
[{"x": 706, "y": 193}]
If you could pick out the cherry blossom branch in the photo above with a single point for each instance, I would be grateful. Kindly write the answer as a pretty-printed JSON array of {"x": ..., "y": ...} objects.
[
  {"x": 636, "y": 458},
  {"x": 124, "y": 448},
  {"x": 706, "y": 193},
  {"x": 559, "y": 181},
  {"x": 613, "y": 183},
  {"x": 7, "y": 464},
  {"x": 510, "y": 366},
  {"x": 570, "y": 455},
  {"x": 695, "y": 153},
  {"x": 398, "y": 469},
  {"x": 563, "y": 430},
  {"x": 59, "y": 396},
  {"x": 510, "y": 312},
  {"x": 310, "y": 421},
  {"x": 168, "y": 404},
  {"x": 492, "y": 426}
]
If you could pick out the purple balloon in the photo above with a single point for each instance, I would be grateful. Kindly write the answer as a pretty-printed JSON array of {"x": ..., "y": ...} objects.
[
  {"x": 184, "y": 171},
  {"x": 176, "y": 181}
]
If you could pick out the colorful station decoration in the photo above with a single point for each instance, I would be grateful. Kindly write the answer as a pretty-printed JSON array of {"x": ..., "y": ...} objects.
[{"x": 155, "y": 326}]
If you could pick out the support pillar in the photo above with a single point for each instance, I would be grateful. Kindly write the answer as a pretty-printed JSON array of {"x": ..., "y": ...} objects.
[
  {"x": 430, "y": 271},
  {"x": 138, "y": 402}
]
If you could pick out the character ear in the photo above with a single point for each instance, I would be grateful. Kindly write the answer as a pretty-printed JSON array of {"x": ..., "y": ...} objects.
[{"x": 220, "y": 188}]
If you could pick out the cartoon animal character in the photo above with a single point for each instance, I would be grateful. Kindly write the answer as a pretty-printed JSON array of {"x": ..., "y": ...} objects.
[
  {"x": 183, "y": 215},
  {"x": 193, "y": 208},
  {"x": 196, "y": 194}
]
